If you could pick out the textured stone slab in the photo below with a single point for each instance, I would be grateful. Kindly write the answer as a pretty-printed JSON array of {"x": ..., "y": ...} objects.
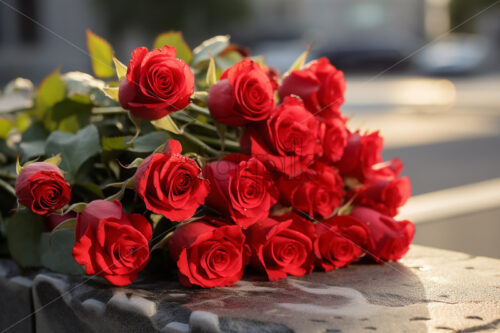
[
  {"x": 15, "y": 299},
  {"x": 430, "y": 290}
]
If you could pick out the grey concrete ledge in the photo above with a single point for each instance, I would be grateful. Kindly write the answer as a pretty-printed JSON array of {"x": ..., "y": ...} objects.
[{"x": 429, "y": 291}]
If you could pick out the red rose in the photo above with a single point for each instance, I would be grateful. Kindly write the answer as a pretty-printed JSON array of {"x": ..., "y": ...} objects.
[
  {"x": 42, "y": 187},
  {"x": 243, "y": 94},
  {"x": 273, "y": 75},
  {"x": 360, "y": 155},
  {"x": 157, "y": 83},
  {"x": 317, "y": 192},
  {"x": 241, "y": 189},
  {"x": 282, "y": 245},
  {"x": 53, "y": 220},
  {"x": 334, "y": 139},
  {"x": 111, "y": 243},
  {"x": 171, "y": 184},
  {"x": 209, "y": 253},
  {"x": 341, "y": 240},
  {"x": 287, "y": 142},
  {"x": 391, "y": 239},
  {"x": 320, "y": 85},
  {"x": 384, "y": 194},
  {"x": 390, "y": 168}
]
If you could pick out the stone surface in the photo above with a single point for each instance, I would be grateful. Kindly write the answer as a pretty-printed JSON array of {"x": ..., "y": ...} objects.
[
  {"x": 15, "y": 299},
  {"x": 430, "y": 290}
]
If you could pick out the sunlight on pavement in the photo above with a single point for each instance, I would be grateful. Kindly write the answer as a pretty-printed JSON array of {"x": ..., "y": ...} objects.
[{"x": 412, "y": 129}]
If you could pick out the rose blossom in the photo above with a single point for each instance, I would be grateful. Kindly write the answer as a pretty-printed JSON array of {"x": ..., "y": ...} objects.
[
  {"x": 391, "y": 239},
  {"x": 111, "y": 243},
  {"x": 320, "y": 85},
  {"x": 334, "y": 139},
  {"x": 209, "y": 253},
  {"x": 384, "y": 194},
  {"x": 287, "y": 142},
  {"x": 171, "y": 184},
  {"x": 157, "y": 83},
  {"x": 341, "y": 240},
  {"x": 361, "y": 153},
  {"x": 390, "y": 168},
  {"x": 317, "y": 192},
  {"x": 241, "y": 189},
  {"x": 282, "y": 245},
  {"x": 243, "y": 94},
  {"x": 41, "y": 187}
]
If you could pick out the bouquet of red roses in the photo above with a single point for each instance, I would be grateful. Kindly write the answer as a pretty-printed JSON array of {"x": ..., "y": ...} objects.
[{"x": 207, "y": 154}]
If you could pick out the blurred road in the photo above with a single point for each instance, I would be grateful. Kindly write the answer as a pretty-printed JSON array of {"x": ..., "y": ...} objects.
[{"x": 447, "y": 132}]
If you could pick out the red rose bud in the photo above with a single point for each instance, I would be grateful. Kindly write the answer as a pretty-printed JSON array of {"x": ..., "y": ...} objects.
[
  {"x": 317, "y": 192},
  {"x": 392, "y": 168},
  {"x": 53, "y": 220},
  {"x": 341, "y": 240},
  {"x": 282, "y": 245},
  {"x": 41, "y": 187},
  {"x": 209, "y": 253},
  {"x": 111, "y": 243},
  {"x": 243, "y": 94},
  {"x": 241, "y": 189},
  {"x": 157, "y": 83},
  {"x": 320, "y": 85},
  {"x": 391, "y": 239},
  {"x": 360, "y": 155},
  {"x": 171, "y": 184},
  {"x": 287, "y": 142},
  {"x": 334, "y": 139},
  {"x": 384, "y": 194}
]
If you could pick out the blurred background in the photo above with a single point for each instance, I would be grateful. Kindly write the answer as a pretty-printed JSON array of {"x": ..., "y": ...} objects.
[{"x": 424, "y": 72}]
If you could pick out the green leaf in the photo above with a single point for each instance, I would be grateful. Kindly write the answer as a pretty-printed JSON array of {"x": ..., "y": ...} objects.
[
  {"x": 5, "y": 126},
  {"x": 91, "y": 188},
  {"x": 7, "y": 188},
  {"x": 68, "y": 115},
  {"x": 128, "y": 183},
  {"x": 18, "y": 165},
  {"x": 120, "y": 68},
  {"x": 300, "y": 61},
  {"x": 111, "y": 92},
  {"x": 85, "y": 88},
  {"x": 175, "y": 39},
  {"x": 23, "y": 122},
  {"x": 23, "y": 232},
  {"x": 52, "y": 90},
  {"x": 135, "y": 163},
  {"x": 18, "y": 95},
  {"x": 149, "y": 142},
  {"x": 78, "y": 83},
  {"x": 228, "y": 60},
  {"x": 75, "y": 148},
  {"x": 167, "y": 123},
  {"x": 32, "y": 149},
  {"x": 64, "y": 225},
  {"x": 101, "y": 55},
  {"x": 137, "y": 124},
  {"x": 115, "y": 143},
  {"x": 56, "y": 160},
  {"x": 56, "y": 252},
  {"x": 211, "y": 73},
  {"x": 210, "y": 47},
  {"x": 76, "y": 207}
]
